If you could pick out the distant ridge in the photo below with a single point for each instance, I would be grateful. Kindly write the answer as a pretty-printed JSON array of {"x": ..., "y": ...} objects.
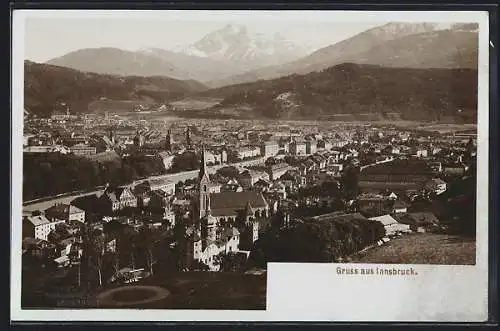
[{"x": 357, "y": 90}]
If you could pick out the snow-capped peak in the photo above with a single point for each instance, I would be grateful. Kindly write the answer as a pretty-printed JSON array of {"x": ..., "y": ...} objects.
[
  {"x": 235, "y": 43},
  {"x": 235, "y": 28}
]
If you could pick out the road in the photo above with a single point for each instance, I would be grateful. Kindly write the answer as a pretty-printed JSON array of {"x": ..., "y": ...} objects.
[
  {"x": 376, "y": 163},
  {"x": 65, "y": 198}
]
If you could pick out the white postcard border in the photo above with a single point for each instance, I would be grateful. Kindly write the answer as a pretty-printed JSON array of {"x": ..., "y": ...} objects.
[{"x": 305, "y": 292}]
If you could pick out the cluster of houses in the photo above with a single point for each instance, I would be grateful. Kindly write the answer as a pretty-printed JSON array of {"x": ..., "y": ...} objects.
[
  {"x": 226, "y": 214},
  {"x": 60, "y": 225},
  {"x": 53, "y": 233}
]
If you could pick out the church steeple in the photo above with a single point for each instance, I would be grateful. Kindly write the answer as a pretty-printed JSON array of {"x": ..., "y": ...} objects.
[
  {"x": 203, "y": 168},
  {"x": 188, "y": 137},
  {"x": 204, "y": 183},
  {"x": 169, "y": 141}
]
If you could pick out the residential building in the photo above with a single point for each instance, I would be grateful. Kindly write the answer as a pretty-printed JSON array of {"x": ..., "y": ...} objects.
[
  {"x": 422, "y": 153},
  {"x": 457, "y": 169},
  {"x": 374, "y": 204},
  {"x": 117, "y": 198},
  {"x": 39, "y": 226},
  {"x": 65, "y": 212},
  {"x": 38, "y": 247},
  {"x": 391, "y": 226},
  {"x": 436, "y": 185},
  {"x": 269, "y": 148},
  {"x": 155, "y": 184},
  {"x": 298, "y": 148},
  {"x": 247, "y": 152},
  {"x": 399, "y": 207},
  {"x": 275, "y": 171},
  {"x": 320, "y": 161},
  {"x": 395, "y": 175},
  {"x": 167, "y": 159},
  {"x": 311, "y": 147},
  {"x": 249, "y": 177},
  {"x": 83, "y": 150},
  {"x": 324, "y": 144},
  {"x": 337, "y": 167},
  {"x": 216, "y": 157}
]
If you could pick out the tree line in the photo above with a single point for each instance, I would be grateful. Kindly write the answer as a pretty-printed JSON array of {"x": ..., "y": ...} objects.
[
  {"x": 315, "y": 240},
  {"x": 58, "y": 173}
]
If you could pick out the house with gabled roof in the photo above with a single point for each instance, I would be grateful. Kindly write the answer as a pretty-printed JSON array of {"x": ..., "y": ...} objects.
[
  {"x": 391, "y": 225},
  {"x": 400, "y": 206},
  {"x": 65, "y": 212},
  {"x": 114, "y": 199}
]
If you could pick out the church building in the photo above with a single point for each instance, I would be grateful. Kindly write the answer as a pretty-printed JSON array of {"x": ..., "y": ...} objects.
[{"x": 225, "y": 221}]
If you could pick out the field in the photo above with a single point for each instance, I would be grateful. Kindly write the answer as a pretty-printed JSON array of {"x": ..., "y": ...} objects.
[
  {"x": 423, "y": 248},
  {"x": 195, "y": 103},
  {"x": 118, "y": 106},
  {"x": 447, "y": 128}
]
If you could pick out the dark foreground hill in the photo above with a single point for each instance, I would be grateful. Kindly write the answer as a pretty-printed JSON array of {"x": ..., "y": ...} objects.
[
  {"x": 359, "y": 92},
  {"x": 186, "y": 290},
  {"x": 46, "y": 86}
]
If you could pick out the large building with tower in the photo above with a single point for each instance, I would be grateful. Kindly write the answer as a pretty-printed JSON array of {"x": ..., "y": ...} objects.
[{"x": 223, "y": 222}]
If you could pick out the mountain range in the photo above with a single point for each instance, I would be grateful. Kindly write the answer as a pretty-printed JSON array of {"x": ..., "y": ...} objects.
[
  {"x": 405, "y": 45},
  {"x": 427, "y": 68},
  {"x": 234, "y": 55},
  {"x": 220, "y": 54}
]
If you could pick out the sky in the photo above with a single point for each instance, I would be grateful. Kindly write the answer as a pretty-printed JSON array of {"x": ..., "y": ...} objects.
[{"x": 49, "y": 37}]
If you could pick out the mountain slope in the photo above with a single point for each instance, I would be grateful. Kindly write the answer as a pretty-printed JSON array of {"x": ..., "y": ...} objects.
[
  {"x": 47, "y": 85},
  {"x": 412, "y": 45},
  {"x": 437, "y": 49},
  {"x": 414, "y": 94},
  {"x": 200, "y": 68},
  {"x": 114, "y": 61}
]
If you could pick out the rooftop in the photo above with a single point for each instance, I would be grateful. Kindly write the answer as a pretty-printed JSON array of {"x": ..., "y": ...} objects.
[
  {"x": 336, "y": 216},
  {"x": 64, "y": 209},
  {"x": 229, "y": 203},
  {"x": 38, "y": 220},
  {"x": 384, "y": 219}
]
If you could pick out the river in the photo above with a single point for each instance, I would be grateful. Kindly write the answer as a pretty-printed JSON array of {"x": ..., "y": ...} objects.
[{"x": 65, "y": 198}]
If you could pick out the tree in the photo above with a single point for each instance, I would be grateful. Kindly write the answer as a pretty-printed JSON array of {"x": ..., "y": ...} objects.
[
  {"x": 229, "y": 262},
  {"x": 350, "y": 182},
  {"x": 184, "y": 162},
  {"x": 270, "y": 161},
  {"x": 74, "y": 257},
  {"x": 96, "y": 251},
  {"x": 199, "y": 266},
  {"x": 111, "y": 263},
  {"x": 228, "y": 172},
  {"x": 291, "y": 160},
  {"x": 146, "y": 240}
]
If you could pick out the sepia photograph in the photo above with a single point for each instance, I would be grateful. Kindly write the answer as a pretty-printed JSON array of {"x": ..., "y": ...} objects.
[{"x": 167, "y": 160}]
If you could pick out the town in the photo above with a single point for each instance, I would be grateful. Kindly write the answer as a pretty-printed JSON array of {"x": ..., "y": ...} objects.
[{"x": 116, "y": 199}]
